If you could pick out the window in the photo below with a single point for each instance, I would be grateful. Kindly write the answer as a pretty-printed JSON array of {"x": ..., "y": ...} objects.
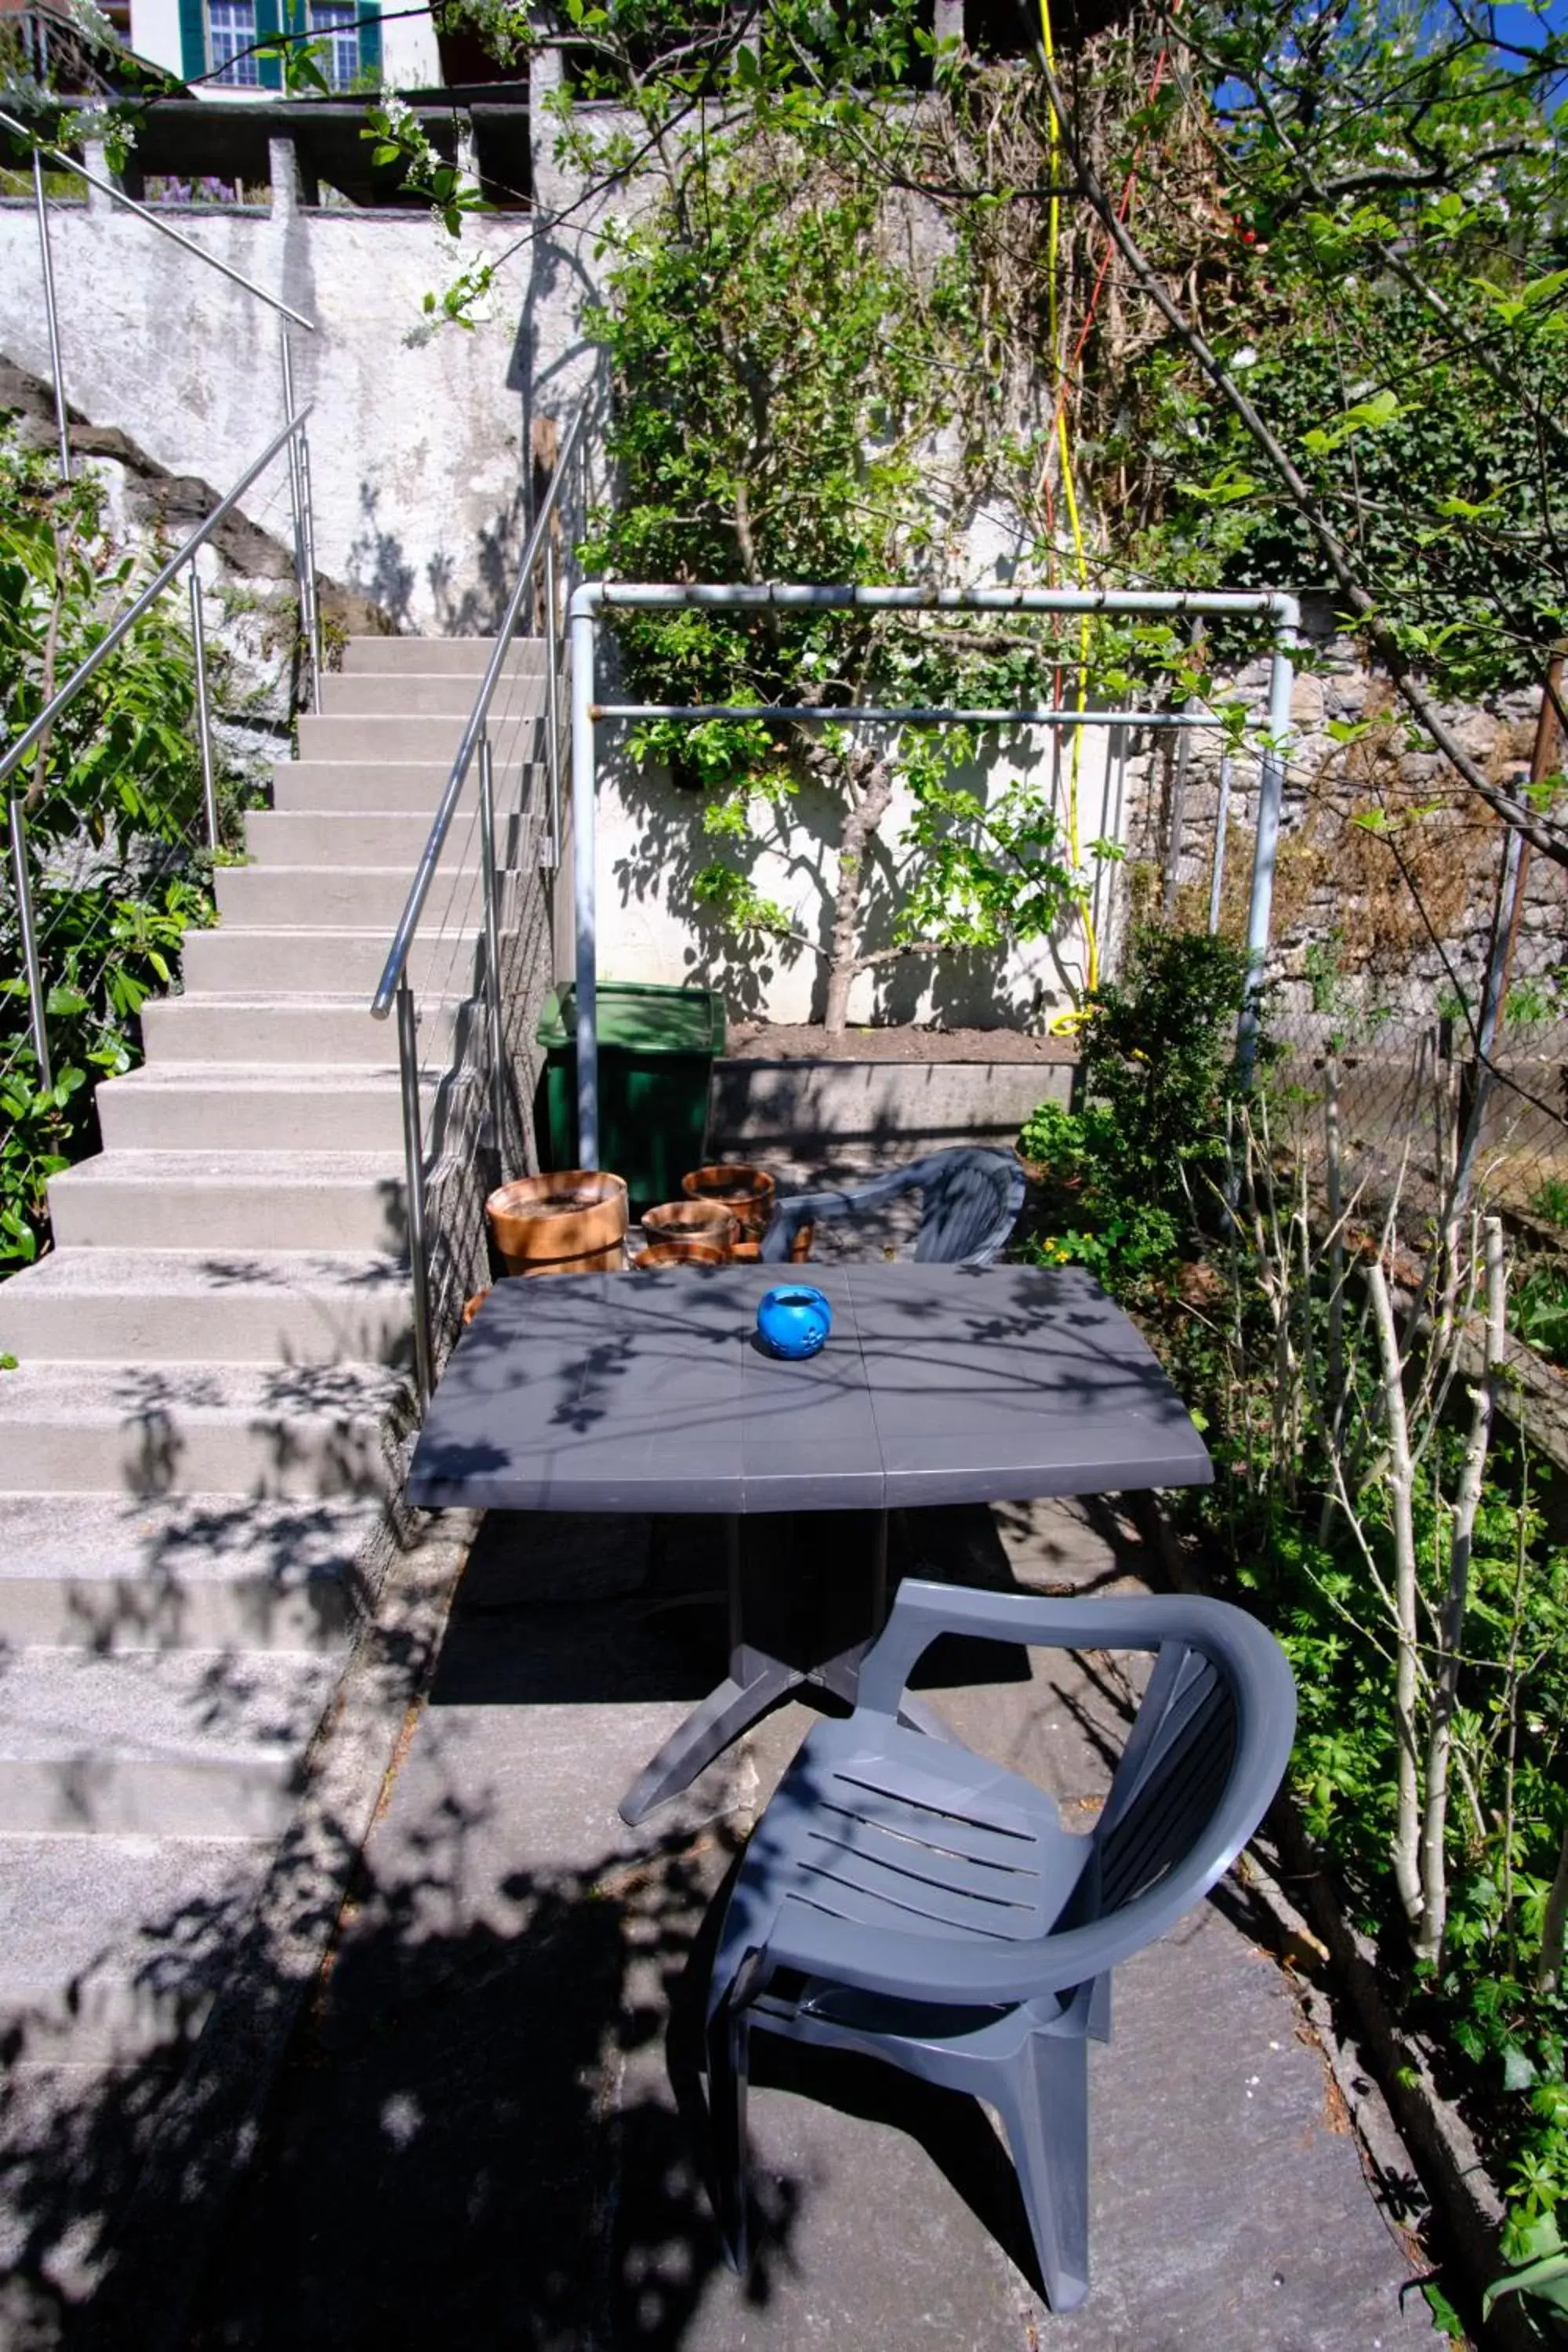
[
  {"x": 335, "y": 23},
  {"x": 233, "y": 29}
]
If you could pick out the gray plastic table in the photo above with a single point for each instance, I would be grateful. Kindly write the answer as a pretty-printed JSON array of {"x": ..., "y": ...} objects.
[{"x": 650, "y": 1393}]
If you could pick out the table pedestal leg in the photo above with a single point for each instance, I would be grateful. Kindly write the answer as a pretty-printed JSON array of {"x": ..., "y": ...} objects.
[
  {"x": 756, "y": 1681},
  {"x": 723, "y": 1715}
]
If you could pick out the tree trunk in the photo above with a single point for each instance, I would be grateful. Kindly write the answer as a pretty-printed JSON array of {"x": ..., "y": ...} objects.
[
  {"x": 872, "y": 794},
  {"x": 1401, "y": 1477},
  {"x": 1445, "y": 1690}
]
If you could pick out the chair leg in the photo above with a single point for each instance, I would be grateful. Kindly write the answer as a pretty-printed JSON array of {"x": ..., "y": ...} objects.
[
  {"x": 1043, "y": 2099},
  {"x": 729, "y": 2054}
]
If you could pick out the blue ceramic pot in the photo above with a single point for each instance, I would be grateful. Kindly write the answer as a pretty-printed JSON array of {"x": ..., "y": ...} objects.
[{"x": 794, "y": 1320}]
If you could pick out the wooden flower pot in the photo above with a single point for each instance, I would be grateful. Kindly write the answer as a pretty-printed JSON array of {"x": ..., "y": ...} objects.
[
  {"x": 573, "y": 1222},
  {"x": 689, "y": 1223},
  {"x": 746, "y": 1192},
  {"x": 678, "y": 1254}
]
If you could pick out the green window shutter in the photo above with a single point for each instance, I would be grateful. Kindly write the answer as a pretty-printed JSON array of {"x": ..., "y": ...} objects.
[
  {"x": 370, "y": 40},
  {"x": 192, "y": 39},
  {"x": 267, "y": 28}
]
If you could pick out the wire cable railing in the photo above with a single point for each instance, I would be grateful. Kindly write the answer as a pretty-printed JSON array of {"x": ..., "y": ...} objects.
[{"x": 502, "y": 855}]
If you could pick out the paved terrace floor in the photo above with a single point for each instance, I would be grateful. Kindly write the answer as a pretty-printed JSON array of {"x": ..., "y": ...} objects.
[{"x": 477, "y": 2142}]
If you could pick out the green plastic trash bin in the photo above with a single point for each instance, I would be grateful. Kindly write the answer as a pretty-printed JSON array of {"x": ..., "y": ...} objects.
[{"x": 657, "y": 1048}]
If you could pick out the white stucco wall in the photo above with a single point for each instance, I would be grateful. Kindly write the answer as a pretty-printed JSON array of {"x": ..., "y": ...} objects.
[
  {"x": 650, "y": 844},
  {"x": 155, "y": 34},
  {"x": 414, "y": 446},
  {"x": 410, "y": 54}
]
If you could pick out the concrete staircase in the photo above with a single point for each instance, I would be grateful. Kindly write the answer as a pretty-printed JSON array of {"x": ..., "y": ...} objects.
[{"x": 210, "y": 1397}]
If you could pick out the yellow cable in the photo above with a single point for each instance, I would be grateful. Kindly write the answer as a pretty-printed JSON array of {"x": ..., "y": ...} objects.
[{"x": 1066, "y": 1022}]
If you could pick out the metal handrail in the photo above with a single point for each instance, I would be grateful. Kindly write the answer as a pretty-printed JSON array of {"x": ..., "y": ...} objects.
[
  {"x": 107, "y": 187},
  {"x": 430, "y": 856},
  {"x": 18, "y": 751}
]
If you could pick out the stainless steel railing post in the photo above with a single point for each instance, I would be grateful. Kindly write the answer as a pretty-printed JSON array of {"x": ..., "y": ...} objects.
[
  {"x": 204, "y": 712},
  {"x": 29, "y": 931},
  {"x": 312, "y": 604},
  {"x": 51, "y": 318},
  {"x": 298, "y": 495},
  {"x": 492, "y": 952},
  {"x": 551, "y": 857},
  {"x": 414, "y": 1162}
]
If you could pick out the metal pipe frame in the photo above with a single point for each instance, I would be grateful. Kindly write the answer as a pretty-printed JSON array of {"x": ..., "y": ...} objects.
[
  {"x": 26, "y": 924},
  {"x": 643, "y": 595},
  {"x": 204, "y": 714},
  {"x": 414, "y": 1168},
  {"x": 920, "y": 714},
  {"x": 107, "y": 187},
  {"x": 492, "y": 954},
  {"x": 18, "y": 751},
  {"x": 596, "y": 597},
  {"x": 51, "y": 318}
]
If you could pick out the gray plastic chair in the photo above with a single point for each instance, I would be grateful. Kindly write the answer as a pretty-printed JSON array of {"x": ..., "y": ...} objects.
[
  {"x": 904, "y": 1899},
  {"x": 970, "y": 1201}
]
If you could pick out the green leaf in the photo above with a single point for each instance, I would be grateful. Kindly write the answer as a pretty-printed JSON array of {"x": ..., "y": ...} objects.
[{"x": 1547, "y": 2280}]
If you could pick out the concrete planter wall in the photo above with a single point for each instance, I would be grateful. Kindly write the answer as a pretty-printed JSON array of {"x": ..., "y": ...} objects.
[{"x": 862, "y": 1109}]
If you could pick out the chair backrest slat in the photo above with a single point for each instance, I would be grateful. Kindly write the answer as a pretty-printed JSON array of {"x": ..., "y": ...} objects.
[{"x": 1170, "y": 1778}]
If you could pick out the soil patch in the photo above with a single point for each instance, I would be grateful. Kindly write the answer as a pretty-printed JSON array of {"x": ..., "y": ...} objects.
[{"x": 764, "y": 1041}]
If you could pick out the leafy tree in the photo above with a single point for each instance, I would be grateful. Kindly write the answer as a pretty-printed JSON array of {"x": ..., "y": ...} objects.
[{"x": 781, "y": 379}]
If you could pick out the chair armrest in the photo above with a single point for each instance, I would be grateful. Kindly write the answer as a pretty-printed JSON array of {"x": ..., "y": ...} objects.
[
  {"x": 801, "y": 1209},
  {"x": 828, "y": 1208}
]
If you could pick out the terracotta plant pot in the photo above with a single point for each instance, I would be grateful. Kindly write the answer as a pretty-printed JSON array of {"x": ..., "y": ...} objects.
[
  {"x": 682, "y": 1223},
  {"x": 746, "y": 1192},
  {"x": 573, "y": 1222},
  {"x": 678, "y": 1254}
]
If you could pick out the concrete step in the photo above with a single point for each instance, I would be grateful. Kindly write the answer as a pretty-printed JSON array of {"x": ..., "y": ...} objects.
[
  {"x": 412, "y": 784},
  {"x": 344, "y": 898},
  {"x": 241, "y": 1307},
  {"x": 287, "y": 1107},
  {"x": 437, "y": 694},
  {"x": 183, "y": 1744},
  {"x": 277, "y": 960},
  {"x": 516, "y": 735},
  {"x": 245, "y": 1028},
  {"x": 372, "y": 837},
  {"x": 276, "y": 1431},
  {"x": 242, "y": 1201},
  {"x": 459, "y": 656},
  {"x": 196, "y": 1572},
  {"x": 111, "y": 1947}
]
